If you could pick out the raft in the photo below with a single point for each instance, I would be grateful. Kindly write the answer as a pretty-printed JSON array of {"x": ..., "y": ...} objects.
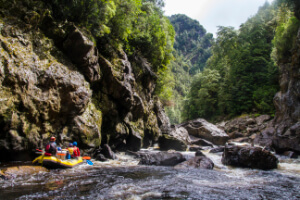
[{"x": 52, "y": 162}]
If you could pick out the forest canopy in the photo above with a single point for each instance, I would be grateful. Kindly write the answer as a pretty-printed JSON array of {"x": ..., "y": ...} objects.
[{"x": 241, "y": 76}]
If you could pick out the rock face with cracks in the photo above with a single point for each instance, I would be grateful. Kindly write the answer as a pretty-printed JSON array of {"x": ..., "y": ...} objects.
[{"x": 55, "y": 82}]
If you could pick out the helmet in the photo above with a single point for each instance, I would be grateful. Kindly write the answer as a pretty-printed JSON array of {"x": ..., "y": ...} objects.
[
  {"x": 74, "y": 143},
  {"x": 52, "y": 139},
  {"x": 71, "y": 144},
  {"x": 59, "y": 148}
]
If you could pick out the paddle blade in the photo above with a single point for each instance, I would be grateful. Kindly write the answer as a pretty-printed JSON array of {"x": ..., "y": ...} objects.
[
  {"x": 89, "y": 162},
  {"x": 86, "y": 157}
]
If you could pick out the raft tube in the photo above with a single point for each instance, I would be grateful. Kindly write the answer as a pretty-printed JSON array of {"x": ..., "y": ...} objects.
[{"x": 52, "y": 162}]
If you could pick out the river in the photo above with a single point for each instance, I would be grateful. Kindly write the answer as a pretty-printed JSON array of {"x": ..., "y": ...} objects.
[{"x": 124, "y": 179}]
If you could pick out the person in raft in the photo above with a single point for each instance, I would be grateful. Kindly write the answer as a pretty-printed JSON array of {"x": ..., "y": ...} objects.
[
  {"x": 76, "y": 152},
  {"x": 51, "y": 149},
  {"x": 70, "y": 151}
]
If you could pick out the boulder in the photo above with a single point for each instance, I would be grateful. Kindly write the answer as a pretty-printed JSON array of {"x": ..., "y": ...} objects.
[
  {"x": 290, "y": 154},
  {"x": 162, "y": 158},
  {"x": 205, "y": 130},
  {"x": 194, "y": 148},
  {"x": 198, "y": 162},
  {"x": 200, "y": 142},
  {"x": 250, "y": 157},
  {"x": 217, "y": 150},
  {"x": 178, "y": 139},
  {"x": 262, "y": 119},
  {"x": 107, "y": 152}
]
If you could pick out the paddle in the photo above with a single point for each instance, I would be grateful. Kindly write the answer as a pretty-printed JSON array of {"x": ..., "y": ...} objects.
[{"x": 89, "y": 162}]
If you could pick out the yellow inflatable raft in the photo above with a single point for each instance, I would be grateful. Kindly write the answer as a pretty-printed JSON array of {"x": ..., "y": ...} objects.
[{"x": 53, "y": 162}]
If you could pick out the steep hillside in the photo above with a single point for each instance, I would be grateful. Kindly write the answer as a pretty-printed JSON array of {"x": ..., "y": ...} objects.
[{"x": 192, "y": 49}]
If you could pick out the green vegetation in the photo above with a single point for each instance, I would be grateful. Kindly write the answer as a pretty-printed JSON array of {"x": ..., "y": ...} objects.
[
  {"x": 241, "y": 76},
  {"x": 133, "y": 25},
  {"x": 198, "y": 76},
  {"x": 192, "y": 49}
]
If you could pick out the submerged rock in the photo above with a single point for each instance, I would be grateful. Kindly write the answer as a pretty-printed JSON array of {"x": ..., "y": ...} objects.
[
  {"x": 251, "y": 157},
  {"x": 9, "y": 172}
]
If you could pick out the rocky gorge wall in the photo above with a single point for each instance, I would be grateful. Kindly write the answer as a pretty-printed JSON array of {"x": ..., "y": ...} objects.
[
  {"x": 284, "y": 134},
  {"x": 54, "y": 81}
]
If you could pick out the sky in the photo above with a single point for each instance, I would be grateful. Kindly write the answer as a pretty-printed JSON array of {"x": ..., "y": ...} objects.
[{"x": 213, "y": 13}]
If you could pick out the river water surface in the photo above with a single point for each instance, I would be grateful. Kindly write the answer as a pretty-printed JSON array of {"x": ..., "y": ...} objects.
[{"x": 125, "y": 179}]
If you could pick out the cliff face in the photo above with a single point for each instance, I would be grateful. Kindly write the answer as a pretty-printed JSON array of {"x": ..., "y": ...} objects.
[
  {"x": 284, "y": 134},
  {"x": 287, "y": 103},
  {"x": 54, "y": 81}
]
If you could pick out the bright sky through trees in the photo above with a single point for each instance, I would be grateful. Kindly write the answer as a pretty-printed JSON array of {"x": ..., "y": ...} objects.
[{"x": 213, "y": 13}]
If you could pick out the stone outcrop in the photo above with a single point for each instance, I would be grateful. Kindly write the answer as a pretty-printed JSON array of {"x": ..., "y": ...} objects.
[
  {"x": 40, "y": 96},
  {"x": 244, "y": 129},
  {"x": 55, "y": 80},
  {"x": 285, "y": 134},
  {"x": 250, "y": 157},
  {"x": 202, "y": 129}
]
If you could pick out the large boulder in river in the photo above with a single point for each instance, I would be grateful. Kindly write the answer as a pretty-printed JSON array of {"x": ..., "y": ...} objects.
[
  {"x": 178, "y": 139},
  {"x": 162, "y": 158},
  {"x": 251, "y": 157},
  {"x": 200, "y": 161},
  {"x": 203, "y": 129}
]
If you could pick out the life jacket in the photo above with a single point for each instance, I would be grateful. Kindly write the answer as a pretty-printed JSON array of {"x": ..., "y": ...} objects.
[
  {"x": 71, "y": 150},
  {"x": 50, "y": 148},
  {"x": 76, "y": 152}
]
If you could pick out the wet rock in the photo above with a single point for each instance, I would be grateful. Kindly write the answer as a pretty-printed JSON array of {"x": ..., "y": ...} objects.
[
  {"x": 235, "y": 134},
  {"x": 9, "y": 172},
  {"x": 290, "y": 154},
  {"x": 205, "y": 130},
  {"x": 100, "y": 157},
  {"x": 251, "y": 157},
  {"x": 217, "y": 150},
  {"x": 200, "y": 142},
  {"x": 160, "y": 158},
  {"x": 194, "y": 148},
  {"x": 200, "y": 161},
  {"x": 107, "y": 152}
]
